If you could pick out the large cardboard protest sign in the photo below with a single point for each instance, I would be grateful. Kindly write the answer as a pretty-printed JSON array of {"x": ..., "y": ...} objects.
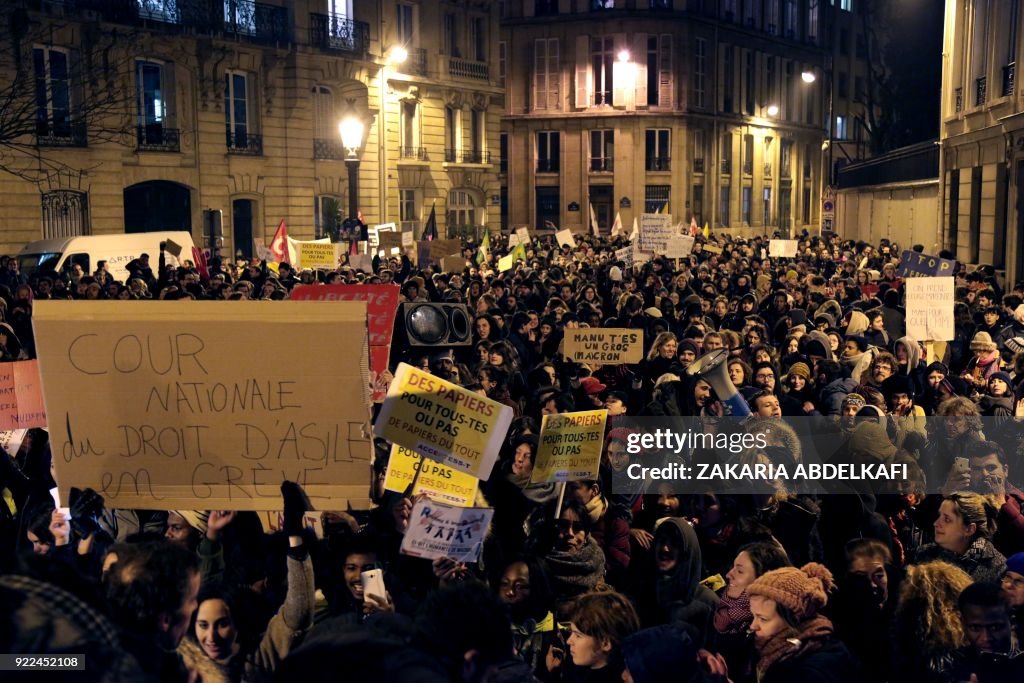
[
  {"x": 679, "y": 246},
  {"x": 655, "y": 231},
  {"x": 373, "y": 234},
  {"x": 625, "y": 255},
  {"x": 604, "y": 345},
  {"x": 381, "y": 310},
  {"x": 913, "y": 264},
  {"x": 198, "y": 405},
  {"x": 439, "y": 482},
  {"x": 570, "y": 446},
  {"x": 317, "y": 255},
  {"x": 565, "y": 238},
  {"x": 21, "y": 396},
  {"x": 443, "y": 421},
  {"x": 930, "y": 308},
  {"x": 438, "y": 531},
  {"x": 441, "y": 248},
  {"x": 506, "y": 263},
  {"x": 783, "y": 248},
  {"x": 524, "y": 235}
]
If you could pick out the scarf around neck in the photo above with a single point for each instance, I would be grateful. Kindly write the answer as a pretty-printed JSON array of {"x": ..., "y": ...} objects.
[{"x": 793, "y": 642}]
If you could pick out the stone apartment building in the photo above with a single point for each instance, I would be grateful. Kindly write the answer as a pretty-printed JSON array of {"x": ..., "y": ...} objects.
[{"x": 145, "y": 114}]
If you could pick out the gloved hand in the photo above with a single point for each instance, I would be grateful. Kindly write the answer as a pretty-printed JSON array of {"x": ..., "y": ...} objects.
[
  {"x": 295, "y": 506},
  {"x": 86, "y": 507}
]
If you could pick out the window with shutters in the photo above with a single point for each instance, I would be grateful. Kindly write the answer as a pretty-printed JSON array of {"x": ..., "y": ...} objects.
[
  {"x": 602, "y": 64},
  {"x": 547, "y": 151},
  {"x": 700, "y": 65},
  {"x": 323, "y": 113},
  {"x": 699, "y": 144},
  {"x": 545, "y": 74},
  {"x": 658, "y": 154},
  {"x": 656, "y": 197},
  {"x": 659, "y": 70},
  {"x": 602, "y": 150}
]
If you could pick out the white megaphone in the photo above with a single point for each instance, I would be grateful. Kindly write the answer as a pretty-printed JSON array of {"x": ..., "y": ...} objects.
[{"x": 713, "y": 369}]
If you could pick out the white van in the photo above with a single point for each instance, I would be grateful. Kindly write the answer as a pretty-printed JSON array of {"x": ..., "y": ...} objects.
[{"x": 58, "y": 255}]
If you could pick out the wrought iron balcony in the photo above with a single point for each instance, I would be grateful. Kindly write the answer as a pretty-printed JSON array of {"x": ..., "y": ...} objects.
[
  {"x": 417, "y": 153},
  {"x": 601, "y": 165},
  {"x": 659, "y": 163},
  {"x": 61, "y": 134},
  {"x": 156, "y": 138},
  {"x": 263, "y": 23},
  {"x": 327, "y": 149},
  {"x": 1008, "y": 78},
  {"x": 698, "y": 165},
  {"x": 959, "y": 99},
  {"x": 748, "y": 168},
  {"x": 547, "y": 165},
  {"x": 416, "y": 63},
  {"x": 464, "y": 68},
  {"x": 466, "y": 156},
  {"x": 165, "y": 11},
  {"x": 726, "y": 165},
  {"x": 240, "y": 142},
  {"x": 980, "y": 90},
  {"x": 335, "y": 32}
]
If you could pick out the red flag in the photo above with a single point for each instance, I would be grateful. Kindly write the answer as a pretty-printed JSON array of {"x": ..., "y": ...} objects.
[
  {"x": 279, "y": 245},
  {"x": 199, "y": 257}
]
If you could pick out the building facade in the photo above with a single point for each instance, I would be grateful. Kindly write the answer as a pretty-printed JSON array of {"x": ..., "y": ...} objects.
[
  {"x": 715, "y": 110},
  {"x": 147, "y": 113},
  {"x": 982, "y": 135}
]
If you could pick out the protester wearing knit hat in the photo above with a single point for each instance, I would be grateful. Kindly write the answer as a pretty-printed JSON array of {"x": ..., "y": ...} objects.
[
  {"x": 984, "y": 363},
  {"x": 1013, "y": 589},
  {"x": 794, "y": 641}
]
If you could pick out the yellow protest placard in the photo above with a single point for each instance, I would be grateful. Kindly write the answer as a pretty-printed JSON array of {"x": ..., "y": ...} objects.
[
  {"x": 570, "y": 446},
  {"x": 443, "y": 421},
  {"x": 317, "y": 255},
  {"x": 506, "y": 263},
  {"x": 604, "y": 345},
  {"x": 162, "y": 408},
  {"x": 712, "y": 249},
  {"x": 437, "y": 481}
]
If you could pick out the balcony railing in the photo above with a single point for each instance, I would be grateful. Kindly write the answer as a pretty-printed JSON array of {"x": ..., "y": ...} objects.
[
  {"x": 748, "y": 168},
  {"x": 157, "y": 139},
  {"x": 65, "y": 134},
  {"x": 601, "y": 165},
  {"x": 698, "y": 165},
  {"x": 464, "y": 68},
  {"x": 417, "y": 153},
  {"x": 1008, "y": 79},
  {"x": 244, "y": 143},
  {"x": 416, "y": 63},
  {"x": 263, "y": 23},
  {"x": 726, "y": 166},
  {"x": 659, "y": 163},
  {"x": 466, "y": 156},
  {"x": 327, "y": 149},
  {"x": 335, "y": 32},
  {"x": 959, "y": 100},
  {"x": 258, "y": 21},
  {"x": 980, "y": 90},
  {"x": 547, "y": 165}
]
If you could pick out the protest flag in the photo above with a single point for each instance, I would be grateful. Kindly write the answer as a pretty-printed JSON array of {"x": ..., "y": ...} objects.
[
  {"x": 279, "y": 245},
  {"x": 430, "y": 231}
]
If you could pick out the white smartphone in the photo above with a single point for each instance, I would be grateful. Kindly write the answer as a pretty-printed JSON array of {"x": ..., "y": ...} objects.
[
  {"x": 373, "y": 583},
  {"x": 962, "y": 464}
]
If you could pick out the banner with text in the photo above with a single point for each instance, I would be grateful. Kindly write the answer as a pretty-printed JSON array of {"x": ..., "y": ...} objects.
[
  {"x": 21, "y": 396},
  {"x": 316, "y": 255},
  {"x": 439, "y": 482},
  {"x": 913, "y": 264},
  {"x": 570, "y": 446},
  {"x": 169, "y": 404},
  {"x": 443, "y": 421},
  {"x": 604, "y": 345},
  {"x": 930, "y": 308},
  {"x": 439, "y": 531}
]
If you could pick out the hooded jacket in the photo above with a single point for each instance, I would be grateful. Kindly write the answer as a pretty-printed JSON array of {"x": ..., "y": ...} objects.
[
  {"x": 915, "y": 368},
  {"x": 858, "y": 323}
]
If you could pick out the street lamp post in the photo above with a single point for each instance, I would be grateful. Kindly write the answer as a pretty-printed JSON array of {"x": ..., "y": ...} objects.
[{"x": 351, "y": 129}]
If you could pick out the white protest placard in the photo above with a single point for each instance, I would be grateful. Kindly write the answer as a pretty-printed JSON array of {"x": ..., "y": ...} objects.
[
  {"x": 373, "y": 233},
  {"x": 183, "y": 416},
  {"x": 679, "y": 246},
  {"x": 625, "y": 255},
  {"x": 930, "y": 308},
  {"x": 440, "y": 482},
  {"x": 783, "y": 248},
  {"x": 10, "y": 440},
  {"x": 570, "y": 446},
  {"x": 408, "y": 240},
  {"x": 565, "y": 238},
  {"x": 604, "y": 345},
  {"x": 443, "y": 421},
  {"x": 524, "y": 235},
  {"x": 438, "y": 531},
  {"x": 513, "y": 240},
  {"x": 655, "y": 231},
  {"x": 506, "y": 263},
  {"x": 363, "y": 262}
]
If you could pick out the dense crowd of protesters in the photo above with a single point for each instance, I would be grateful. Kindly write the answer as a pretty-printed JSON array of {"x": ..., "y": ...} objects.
[{"x": 922, "y": 581}]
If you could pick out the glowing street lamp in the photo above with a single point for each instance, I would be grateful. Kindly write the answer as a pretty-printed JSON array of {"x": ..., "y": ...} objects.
[{"x": 351, "y": 129}]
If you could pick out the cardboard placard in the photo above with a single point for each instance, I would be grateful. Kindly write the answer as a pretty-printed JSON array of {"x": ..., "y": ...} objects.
[
  {"x": 408, "y": 240},
  {"x": 439, "y": 531},
  {"x": 21, "y": 396},
  {"x": 373, "y": 234},
  {"x": 443, "y": 421},
  {"x": 783, "y": 248},
  {"x": 625, "y": 255},
  {"x": 930, "y": 308},
  {"x": 441, "y": 248},
  {"x": 524, "y": 235},
  {"x": 454, "y": 264},
  {"x": 391, "y": 240},
  {"x": 319, "y": 256},
  {"x": 565, "y": 238},
  {"x": 655, "y": 231},
  {"x": 513, "y": 240},
  {"x": 182, "y": 413},
  {"x": 506, "y": 263},
  {"x": 604, "y": 345},
  {"x": 439, "y": 482},
  {"x": 363, "y": 262},
  {"x": 712, "y": 248},
  {"x": 381, "y": 310},
  {"x": 913, "y": 264},
  {"x": 679, "y": 246},
  {"x": 570, "y": 446},
  {"x": 172, "y": 248}
]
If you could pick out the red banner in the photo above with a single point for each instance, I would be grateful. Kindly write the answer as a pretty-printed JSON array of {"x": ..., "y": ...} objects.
[{"x": 381, "y": 309}]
